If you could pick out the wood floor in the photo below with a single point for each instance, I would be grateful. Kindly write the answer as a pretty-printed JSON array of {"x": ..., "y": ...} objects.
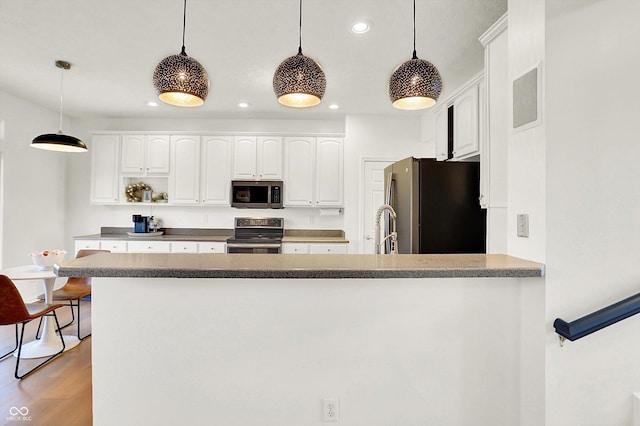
[{"x": 59, "y": 393}]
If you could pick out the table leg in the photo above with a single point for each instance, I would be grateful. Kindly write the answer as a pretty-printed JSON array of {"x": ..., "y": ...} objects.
[{"x": 49, "y": 343}]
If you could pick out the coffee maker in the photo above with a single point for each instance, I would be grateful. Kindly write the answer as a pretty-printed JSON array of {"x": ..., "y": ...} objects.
[{"x": 141, "y": 224}]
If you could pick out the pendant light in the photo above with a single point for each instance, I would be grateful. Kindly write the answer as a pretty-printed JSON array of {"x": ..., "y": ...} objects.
[
  {"x": 299, "y": 82},
  {"x": 416, "y": 84},
  {"x": 59, "y": 141},
  {"x": 179, "y": 79}
]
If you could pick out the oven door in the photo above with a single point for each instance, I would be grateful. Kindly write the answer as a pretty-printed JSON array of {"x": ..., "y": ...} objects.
[{"x": 251, "y": 248}]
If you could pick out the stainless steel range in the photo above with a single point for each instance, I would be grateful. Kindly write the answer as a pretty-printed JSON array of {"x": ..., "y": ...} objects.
[{"x": 257, "y": 235}]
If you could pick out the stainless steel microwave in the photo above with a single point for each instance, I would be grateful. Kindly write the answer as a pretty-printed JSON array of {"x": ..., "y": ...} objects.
[{"x": 256, "y": 194}]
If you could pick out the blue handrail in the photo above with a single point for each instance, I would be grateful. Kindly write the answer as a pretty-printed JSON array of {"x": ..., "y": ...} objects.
[{"x": 599, "y": 319}]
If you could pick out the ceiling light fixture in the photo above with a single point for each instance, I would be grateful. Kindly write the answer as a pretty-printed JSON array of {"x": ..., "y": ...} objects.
[
  {"x": 361, "y": 27},
  {"x": 243, "y": 105},
  {"x": 59, "y": 141},
  {"x": 334, "y": 106},
  {"x": 299, "y": 82},
  {"x": 416, "y": 84},
  {"x": 179, "y": 79}
]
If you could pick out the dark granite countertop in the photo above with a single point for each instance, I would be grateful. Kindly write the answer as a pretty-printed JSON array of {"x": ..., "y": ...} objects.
[{"x": 265, "y": 266}]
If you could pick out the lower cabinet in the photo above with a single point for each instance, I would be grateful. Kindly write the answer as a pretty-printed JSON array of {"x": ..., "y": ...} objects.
[
  {"x": 146, "y": 246},
  {"x": 212, "y": 247},
  {"x": 322, "y": 248}
]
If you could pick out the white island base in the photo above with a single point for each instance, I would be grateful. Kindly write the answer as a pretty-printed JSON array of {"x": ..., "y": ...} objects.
[{"x": 243, "y": 352}]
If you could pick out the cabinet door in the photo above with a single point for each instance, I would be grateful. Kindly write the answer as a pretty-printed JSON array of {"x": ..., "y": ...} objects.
[
  {"x": 212, "y": 247},
  {"x": 157, "y": 154},
  {"x": 441, "y": 134},
  {"x": 184, "y": 179},
  {"x": 269, "y": 158},
  {"x": 132, "y": 161},
  {"x": 465, "y": 123},
  {"x": 184, "y": 247},
  {"x": 149, "y": 247},
  {"x": 328, "y": 248},
  {"x": 114, "y": 246},
  {"x": 104, "y": 169},
  {"x": 329, "y": 172},
  {"x": 87, "y": 245},
  {"x": 299, "y": 171},
  {"x": 295, "y": 248},
  {"x": 244, "y": 157},
  {"x": 217, "y": 152}
]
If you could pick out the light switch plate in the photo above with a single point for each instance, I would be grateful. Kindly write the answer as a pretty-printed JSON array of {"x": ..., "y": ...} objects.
[{"x": 523, "y": 225}]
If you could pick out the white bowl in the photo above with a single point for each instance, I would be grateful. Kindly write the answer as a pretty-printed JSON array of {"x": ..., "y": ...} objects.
[{"x": 47, "y": 258}]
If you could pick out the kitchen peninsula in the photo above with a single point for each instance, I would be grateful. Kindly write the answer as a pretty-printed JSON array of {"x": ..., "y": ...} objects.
[{"x": 263, "y": 339}]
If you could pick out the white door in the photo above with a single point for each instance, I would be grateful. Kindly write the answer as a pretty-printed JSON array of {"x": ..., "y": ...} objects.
[{"x": 373, "y": 190}]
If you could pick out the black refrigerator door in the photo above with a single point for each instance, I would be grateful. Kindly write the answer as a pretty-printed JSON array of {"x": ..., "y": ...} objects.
[{"x": 451, "y": 220}]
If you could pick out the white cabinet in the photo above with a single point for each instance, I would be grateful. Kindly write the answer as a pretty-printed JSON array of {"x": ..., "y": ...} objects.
[
  {"x": 184, "y": 247},
  {"x": 145, "y": 155},
  {"x": 104, "y": 169},
  {"x": 329, "y": 182},
  {"x": 257, "y": 158},
  {"x": 442, "y": 134},
  {"x": 295, "y": 248},
  {"x": 212, "y": 247},
  {"x": 315, "y": 248},
  {"x": 495, "y": 134},
  {"x": 114, "y": 246},
  {"x": 326, "y": 248},
  {"x": 299, "y": 171},
  {"x": 184, "y": 179},
  {"x": 465, "y": 123},
  {"x": 149, "y": 247},
  {"x": 314, "y": 172},
  {"x": 216, "y": 155},
  {"x": 87, "y": 245}
]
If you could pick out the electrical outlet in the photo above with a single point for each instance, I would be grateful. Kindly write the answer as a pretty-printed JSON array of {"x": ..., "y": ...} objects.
[
  {"x": 523, "y": 225},
  {"x": 329, "y": 409}
]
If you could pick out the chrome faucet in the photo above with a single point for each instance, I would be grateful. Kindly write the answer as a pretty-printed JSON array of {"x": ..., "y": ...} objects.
[{"x": 393, "y": 235}]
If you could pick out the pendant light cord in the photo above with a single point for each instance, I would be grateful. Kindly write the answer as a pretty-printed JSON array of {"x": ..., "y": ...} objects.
[
  {"x": 414, "y": 30},
  {"x": 184, "y": 26},
  {"x": 299, "y": 31},
  {"x": 61, "y": 91}
]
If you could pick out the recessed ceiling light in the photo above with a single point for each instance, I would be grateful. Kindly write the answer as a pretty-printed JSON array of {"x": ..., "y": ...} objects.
[
  {"x": 152, "y": 104},
  {"x": 243, "y": 105},
  {"x": 334, "y": 106},
  {"x": 361, "y": 27}
]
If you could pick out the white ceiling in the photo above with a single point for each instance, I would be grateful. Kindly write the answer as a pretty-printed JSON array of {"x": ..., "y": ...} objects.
[{"x": 114, "y": 46}]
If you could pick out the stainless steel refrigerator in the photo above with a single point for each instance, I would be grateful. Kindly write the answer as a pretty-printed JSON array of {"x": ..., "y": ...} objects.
[{"x": 437, "y": 207}]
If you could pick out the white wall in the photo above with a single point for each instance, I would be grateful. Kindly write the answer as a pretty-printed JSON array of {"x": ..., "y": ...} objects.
[
  {"x": 526, "y": 193},
  {"x": 401, "y": 352},
  {"x": 593, "y": 205},
  {"x": 365, "y": 136},
  {"x": 33, "y": 186}
]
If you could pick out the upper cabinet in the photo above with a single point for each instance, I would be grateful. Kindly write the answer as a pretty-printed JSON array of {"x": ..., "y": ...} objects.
[
  {"x": 257, "y": 158},
  {"x": 442, "y": 134},
  {"x": 184, "y": 180},
  {"x": 145, "y": 155},
  {"x": 457, "y": 123},
  {"x": 465, "y": 123},
  {"x": 216, "y": 159},
  {"x": 199, "y": 168},
  {"x": 105, "y": 151},
  {"x": 314, "y": 172}
]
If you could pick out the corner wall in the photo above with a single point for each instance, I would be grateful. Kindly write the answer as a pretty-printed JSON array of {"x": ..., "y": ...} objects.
[{"x": 593, "y": 204}]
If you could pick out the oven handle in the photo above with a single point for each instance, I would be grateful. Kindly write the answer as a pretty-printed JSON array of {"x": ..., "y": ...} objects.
[{"x": 258, "y": 245}]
